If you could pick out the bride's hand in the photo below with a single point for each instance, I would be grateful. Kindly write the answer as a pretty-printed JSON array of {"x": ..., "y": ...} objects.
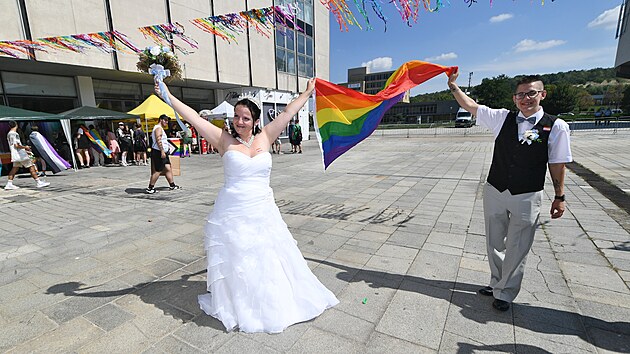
[{"x": 158, "y": 91}]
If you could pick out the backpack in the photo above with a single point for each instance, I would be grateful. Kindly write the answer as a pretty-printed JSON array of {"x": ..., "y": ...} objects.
[{"x": 297, "y": 133}]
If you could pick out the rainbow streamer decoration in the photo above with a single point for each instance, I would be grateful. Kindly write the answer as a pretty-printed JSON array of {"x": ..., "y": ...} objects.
[{"x": 345, "y": 117}]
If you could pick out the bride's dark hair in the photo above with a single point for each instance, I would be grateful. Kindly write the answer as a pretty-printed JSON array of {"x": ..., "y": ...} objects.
[{"x": 254, "y": 110}]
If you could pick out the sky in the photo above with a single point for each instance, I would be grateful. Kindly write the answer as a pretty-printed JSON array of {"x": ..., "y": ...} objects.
[{"x": 510, "y": 37}]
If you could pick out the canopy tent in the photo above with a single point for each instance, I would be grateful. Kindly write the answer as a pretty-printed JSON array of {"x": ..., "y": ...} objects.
[
  {"x": 222, "y": 111},
  {"x": 10, "y": 113},
  {"x": 91, "y": 113},
  {"x": 151, "y": 109}
]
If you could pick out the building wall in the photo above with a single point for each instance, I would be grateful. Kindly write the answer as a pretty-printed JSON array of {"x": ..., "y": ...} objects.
[{"x": 622, "y": 60}]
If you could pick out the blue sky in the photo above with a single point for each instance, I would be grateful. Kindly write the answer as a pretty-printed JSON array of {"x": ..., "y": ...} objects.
[{"x": 510, "y": 37}]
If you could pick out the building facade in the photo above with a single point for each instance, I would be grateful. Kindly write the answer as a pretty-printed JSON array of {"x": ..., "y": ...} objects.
[
  {"x": 404, "y": 112},
  {"x": 269, "y": 69},
  {"x": 622, "y": 61}
]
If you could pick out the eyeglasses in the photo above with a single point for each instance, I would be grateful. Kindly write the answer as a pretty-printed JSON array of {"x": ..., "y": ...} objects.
[{"x": 530, "y": 94}]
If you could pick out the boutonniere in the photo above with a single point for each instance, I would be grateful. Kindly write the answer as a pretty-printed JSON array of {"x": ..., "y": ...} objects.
[{"x": 530, "y": 136}]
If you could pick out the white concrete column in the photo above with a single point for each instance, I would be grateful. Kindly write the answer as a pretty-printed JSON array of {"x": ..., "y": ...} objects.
[{"x": 86, "y": 91}]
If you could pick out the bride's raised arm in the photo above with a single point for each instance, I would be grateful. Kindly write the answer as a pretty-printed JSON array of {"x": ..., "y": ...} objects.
[
  {"x": 208, "y": 130},
  {"x": 277, "y": 126}
]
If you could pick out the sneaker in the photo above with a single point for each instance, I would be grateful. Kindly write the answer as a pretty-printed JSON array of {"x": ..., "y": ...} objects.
[
  {"x": 150, "y": 190},
  {"x": 175, "y": 187},
  {"x": 11, "y": 186},
  {"x": 42, "y": 184}
]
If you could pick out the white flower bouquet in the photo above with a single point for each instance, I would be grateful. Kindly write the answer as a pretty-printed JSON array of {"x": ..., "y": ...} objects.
[{"x": 162, "y": 56}]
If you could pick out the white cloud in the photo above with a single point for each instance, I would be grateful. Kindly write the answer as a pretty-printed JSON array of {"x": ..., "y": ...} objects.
[
  {"x": 549, "y": 62},
  {"x": 441, "y": 57},
  {"x": 607, "y": 19},
  {"x": 527, "y": 45},
  {"x": 500, "y": 18},
  {"x": 379, "y": 64}
]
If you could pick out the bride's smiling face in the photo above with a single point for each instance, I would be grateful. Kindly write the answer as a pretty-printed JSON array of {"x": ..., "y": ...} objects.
[{"x": 243, "y": 121}]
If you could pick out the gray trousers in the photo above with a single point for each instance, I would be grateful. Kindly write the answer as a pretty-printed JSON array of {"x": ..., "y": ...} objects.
[{"x": 510, "y": 226}]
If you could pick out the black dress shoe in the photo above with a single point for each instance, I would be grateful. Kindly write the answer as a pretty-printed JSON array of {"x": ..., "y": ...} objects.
[
  {"x": 487, "y": 291},
  {"x": 501, "y": 305}
]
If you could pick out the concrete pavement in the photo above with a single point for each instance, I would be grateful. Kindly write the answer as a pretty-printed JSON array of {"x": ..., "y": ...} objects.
[{"x": 394, "y": 228}]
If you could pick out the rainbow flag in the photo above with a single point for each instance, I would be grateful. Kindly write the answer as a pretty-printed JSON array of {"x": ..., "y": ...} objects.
[{"x": 344, "y": 117}]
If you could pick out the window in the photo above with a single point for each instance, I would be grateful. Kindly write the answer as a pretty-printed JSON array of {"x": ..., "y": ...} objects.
[
  {"x": 43, "y": 93},
  {"x": 292, "y": 45}
]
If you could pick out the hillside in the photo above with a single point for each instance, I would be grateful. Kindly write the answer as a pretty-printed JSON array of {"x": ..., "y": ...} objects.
[{"x": 595, "y": 81}]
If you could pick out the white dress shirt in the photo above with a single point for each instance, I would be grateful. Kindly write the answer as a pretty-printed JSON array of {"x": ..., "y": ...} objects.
[{"x": 559, "y": 137}]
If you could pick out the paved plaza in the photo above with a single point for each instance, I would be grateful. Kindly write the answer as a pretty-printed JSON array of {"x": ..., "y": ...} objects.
[{"x": 394, "y": 228}]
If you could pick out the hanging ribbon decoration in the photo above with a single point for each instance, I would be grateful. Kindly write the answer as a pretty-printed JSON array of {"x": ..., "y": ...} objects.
[
  {"x": 162, "y": 35},
  {"x": 159, "y": 74}
]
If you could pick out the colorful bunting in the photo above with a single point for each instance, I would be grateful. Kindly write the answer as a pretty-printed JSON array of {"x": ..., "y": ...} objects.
[
  {"x": 78, "y": 43},
  {"x": 344, "y": 117},
  {"x": 162, "y": 35},
  {"x": 262, "y": 20}
]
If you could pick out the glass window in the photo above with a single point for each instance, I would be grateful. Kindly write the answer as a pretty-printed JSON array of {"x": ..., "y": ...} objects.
[
  {"x": 300, "y": 13},
  {"x": 38, "y": 85},
  {"x": 300, "y": 44},
  {"x": 302, "y": 65},
  {"x": 116, "y": 89},
  {"x": 281, "y": 60},
  {"x": 290, "y": 40},
  {"x": 280, "y": 37},
  {"x": 309, "y": 46},
  {"x": 308, "y": 12},
  {"x": 291, "y": 62},
  {"x": 198, "y": 94},
  {"x": 43, "y": 104}
]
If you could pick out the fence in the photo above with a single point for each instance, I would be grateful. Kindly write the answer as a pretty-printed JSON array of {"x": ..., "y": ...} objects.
[{"x": 615, "y": 125}]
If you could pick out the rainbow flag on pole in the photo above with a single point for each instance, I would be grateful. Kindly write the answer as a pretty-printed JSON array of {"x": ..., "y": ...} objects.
[{"x": 345, "y": 117}]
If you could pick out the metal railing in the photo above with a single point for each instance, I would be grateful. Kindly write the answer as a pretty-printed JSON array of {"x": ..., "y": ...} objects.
[{"x": 611, "y": 125}]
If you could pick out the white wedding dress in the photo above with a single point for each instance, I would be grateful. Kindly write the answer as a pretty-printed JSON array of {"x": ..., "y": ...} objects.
[{"x": 258, "y": 280}]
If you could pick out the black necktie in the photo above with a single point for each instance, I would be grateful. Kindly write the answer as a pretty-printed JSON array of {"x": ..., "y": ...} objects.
[{"x": 530, "y": 119}]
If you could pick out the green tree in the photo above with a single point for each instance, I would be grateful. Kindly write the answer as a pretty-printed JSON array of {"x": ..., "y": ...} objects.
[
  {"x": 496, "y": 92},
  {"x": 613, "y": 95},
  {"x": 584, "y": 99},
  {"x": 560, "y": 98}
]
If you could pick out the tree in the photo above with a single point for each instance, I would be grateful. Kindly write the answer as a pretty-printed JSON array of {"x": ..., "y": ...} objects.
[
  {"x": 560, "y": 98},
  {"x": 496, "y": 92},
  {"x": 613, "y": 95},
  {"x": 584, "y": 99}
]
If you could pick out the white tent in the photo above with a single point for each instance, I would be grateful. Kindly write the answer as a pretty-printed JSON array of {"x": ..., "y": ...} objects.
[{"x": 224, "y": 110}]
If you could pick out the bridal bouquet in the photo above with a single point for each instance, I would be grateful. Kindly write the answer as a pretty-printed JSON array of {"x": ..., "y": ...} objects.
[{"x": 159, "y": 55}]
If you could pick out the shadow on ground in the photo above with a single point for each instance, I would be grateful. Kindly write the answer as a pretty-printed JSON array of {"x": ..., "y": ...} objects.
[{"x": 178, "y": 298}]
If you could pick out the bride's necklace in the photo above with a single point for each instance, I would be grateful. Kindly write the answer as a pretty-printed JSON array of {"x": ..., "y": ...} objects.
[{"x": 246, "y": 143}]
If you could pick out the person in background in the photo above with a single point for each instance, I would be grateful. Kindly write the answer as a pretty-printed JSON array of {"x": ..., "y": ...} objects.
[
  {"x": 97, "y": 155},
  {"x": 20, "y": 158},
  {"x": 297, "y": 137},
  {"x": 124, "y": 140},
  {"x": 38, "y": 157},
  {"x": 112, "y": 144},
  {"x": 82, "y": 144},
  {"x": 140, "y": 145},
  {"x": 159, "y": 156}
]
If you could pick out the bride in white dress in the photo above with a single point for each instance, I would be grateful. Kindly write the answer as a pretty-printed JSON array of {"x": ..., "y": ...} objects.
[{"x": 258, "y": 280}]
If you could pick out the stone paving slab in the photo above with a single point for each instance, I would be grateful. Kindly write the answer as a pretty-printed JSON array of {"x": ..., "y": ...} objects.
[{"x": 394, "y": 228}]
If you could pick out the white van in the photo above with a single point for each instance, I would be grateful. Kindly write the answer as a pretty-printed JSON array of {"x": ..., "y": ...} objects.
[{"x": 463, "y": 119}]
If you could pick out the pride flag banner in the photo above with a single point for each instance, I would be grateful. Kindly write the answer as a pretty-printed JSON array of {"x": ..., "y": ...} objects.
[{"x": 344, "y": 117}]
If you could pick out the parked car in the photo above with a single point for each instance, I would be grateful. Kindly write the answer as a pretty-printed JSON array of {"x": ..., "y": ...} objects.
[
  {"x": 566, "y": 114},
  {"x": 616, "y": 111},
  {"x": 463, "y": 119}
]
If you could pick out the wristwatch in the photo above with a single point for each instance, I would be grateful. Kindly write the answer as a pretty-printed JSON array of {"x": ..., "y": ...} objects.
[{"x": 559, "y": 197}]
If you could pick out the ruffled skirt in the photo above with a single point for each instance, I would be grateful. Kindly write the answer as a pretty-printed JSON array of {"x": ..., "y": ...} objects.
[{"x": 258, "y": 280}]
